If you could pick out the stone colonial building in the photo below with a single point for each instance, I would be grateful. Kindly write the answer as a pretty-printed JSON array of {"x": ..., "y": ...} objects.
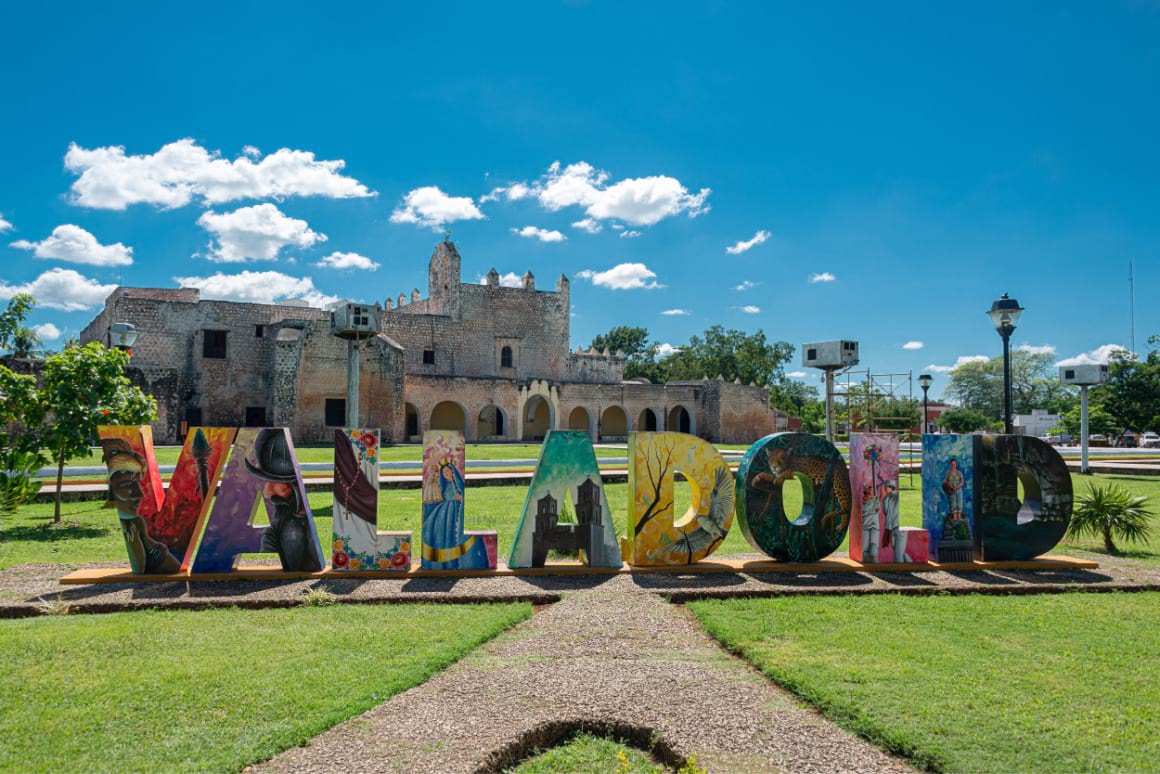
[{"x": 490, "y": 361}]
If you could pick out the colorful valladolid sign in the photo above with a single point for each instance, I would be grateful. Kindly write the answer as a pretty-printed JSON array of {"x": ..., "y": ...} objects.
[{"x": 208, "y": 518}]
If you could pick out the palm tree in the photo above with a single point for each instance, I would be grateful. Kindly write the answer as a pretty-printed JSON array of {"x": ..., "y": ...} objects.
[
  {"x": 1111, "y": 511},
  {"x": 24, "y": 343}
]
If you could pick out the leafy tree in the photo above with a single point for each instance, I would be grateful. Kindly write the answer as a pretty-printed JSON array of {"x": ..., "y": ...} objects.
[
  {"x": 963, "y": 420},
  {"x": 21, "y": 416},
  {"x": 733, "y": 354},
  {"x": 1099, "y": 421},
  {"x": 12, "y": 318},
  {"x": 85, "y": 387},
  {"x": 799, "y": 399},
  {"x": 1112, "y": 512},
  {"x": 640, "y": 356},
  {"x": 979, "y": 385},
  {"x": 1132, "y": 394}
]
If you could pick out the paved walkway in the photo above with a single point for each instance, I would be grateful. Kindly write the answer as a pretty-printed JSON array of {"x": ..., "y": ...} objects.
[{"x": 600, "y": 660}]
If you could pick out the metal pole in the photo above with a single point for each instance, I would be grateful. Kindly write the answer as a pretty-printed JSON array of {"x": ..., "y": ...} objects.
[
  {"x": 925, "y": 413},
  {"x": 830, "y": 405},
  {"x": 1008, "y": 423},
  {"x": 1083, "y": 431},
  {"x": 352, "y": 369}
]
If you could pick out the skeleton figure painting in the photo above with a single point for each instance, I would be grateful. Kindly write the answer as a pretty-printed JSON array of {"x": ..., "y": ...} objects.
[{"x": 874, "y": 487}]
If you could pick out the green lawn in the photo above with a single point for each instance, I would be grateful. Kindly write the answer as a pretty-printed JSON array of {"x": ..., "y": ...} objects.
[
  {"x": 94, "y": 534},
  {"x": 586, "y": 753},
  {"x": 1063, "y": 682},
  {"x": 214, "y": 690}
]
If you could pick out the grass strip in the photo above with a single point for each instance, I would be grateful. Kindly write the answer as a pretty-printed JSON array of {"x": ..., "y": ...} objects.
[
  {"x": 1063, "y": 682},
  {"x": 214, "y": 690}
]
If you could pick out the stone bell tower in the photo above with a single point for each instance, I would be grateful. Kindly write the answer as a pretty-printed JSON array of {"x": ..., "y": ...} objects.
[{"x": 443, "y": 280}]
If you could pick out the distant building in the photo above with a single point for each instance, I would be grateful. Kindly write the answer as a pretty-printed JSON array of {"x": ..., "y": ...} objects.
[
  {"x": 490, "y": 361},
  {"x": 1039, "y": 422}
]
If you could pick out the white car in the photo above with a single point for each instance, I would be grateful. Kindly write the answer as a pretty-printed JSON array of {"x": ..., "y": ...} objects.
[{"x": 1150, "y": 440}]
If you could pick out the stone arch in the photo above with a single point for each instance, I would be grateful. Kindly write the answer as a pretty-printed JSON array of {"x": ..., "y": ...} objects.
[
  {"x": 493, "y": 423},
  {"x": 681, "y": 420},
  {"x": 449, "y": 415},
  {"x": 412, "y": 422},
  {"x": 580, "y": 419},
  {"x": 614, "y": 423},
  {"x": 647, "y": 421},
  {"x": 538, "y": 418}
]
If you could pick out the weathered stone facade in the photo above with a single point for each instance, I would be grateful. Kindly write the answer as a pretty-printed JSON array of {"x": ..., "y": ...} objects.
[{"x": 491, "y": 361}]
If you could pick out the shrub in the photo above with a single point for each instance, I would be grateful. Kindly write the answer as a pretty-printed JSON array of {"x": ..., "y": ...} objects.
[{"x": 1112, "y": 512}]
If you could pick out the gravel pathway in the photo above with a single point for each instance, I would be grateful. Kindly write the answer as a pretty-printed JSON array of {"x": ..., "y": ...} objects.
[{"x": 600, "y": 660}]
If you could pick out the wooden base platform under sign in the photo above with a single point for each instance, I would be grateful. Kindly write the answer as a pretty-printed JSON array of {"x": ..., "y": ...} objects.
[{"x": 748, "y": 566}]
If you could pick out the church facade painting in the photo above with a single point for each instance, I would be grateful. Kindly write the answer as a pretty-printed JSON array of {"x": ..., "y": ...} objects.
[
  {"x": 825, "y": 516},
  {"x": 655, "y": 536},
  {"x": 262, "y": 472},
  {"x": 565, "y": 508},
  {"x": 446, "y": 544},
  {"x": 357, "y": 543}
]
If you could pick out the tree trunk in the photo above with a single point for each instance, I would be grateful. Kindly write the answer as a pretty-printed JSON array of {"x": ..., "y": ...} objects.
[
  {"x": 1109, "y": 546},
  {"x": 59, "y": 480}
]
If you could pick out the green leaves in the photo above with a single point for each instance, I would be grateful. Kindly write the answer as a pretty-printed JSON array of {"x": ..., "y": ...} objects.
[{"x": 1112, "y": 512}]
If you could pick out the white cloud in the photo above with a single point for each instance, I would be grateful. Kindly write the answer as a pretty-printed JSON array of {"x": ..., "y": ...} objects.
[
  {"x": 182, "y": 171},
  {"x": 962, "y": 360},
  {"x": 640, "y": 201},
  {"x": 591, "y": 225},
  {"x": 913, "y": 345},
  {"x": 796, "y": 374},
  {"x": 47, "y": 331},
  {"x": 62, "y": 289},
  {"x": 749, "y": 309},
  {"x": 542, "y": 234},
  {"x": 257, "y": 287},
  {"x": 255, "y": 233},
  {"x": 431, "y": 208},
  {"x": 508, "y": 280},
  {"x": 624, "y": 276},
  {"x": 4, "y": 225},
  {"x": 618, "y": 227},
  {"x": 675, "y": 312},
  {"x": 347, "y": 261},
  {"x": 746, "y": 285},
  {"x": 667, "y": 350},
  {"x": 512, "y": 193},
  {"x": 629, "y": 234},
  {"x": 1097, "y": 356},
  {"x": 741, "y": 247},
  {"x": 825, "y": 276},
  {"x": 75, "y": 245},
  {"x": 1031, "y": 349}
]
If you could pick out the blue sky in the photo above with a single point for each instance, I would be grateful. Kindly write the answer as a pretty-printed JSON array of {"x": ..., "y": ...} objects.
[{"x": 925, "y": 158}]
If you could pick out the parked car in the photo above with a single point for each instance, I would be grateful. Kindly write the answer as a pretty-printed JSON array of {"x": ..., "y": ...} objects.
[
  {"x": 1126, "y": 441},
  {"x": 1150, "y": 440},
  {"x": 1097, "y": 439},
  {"x": 1054, "y": 440}
]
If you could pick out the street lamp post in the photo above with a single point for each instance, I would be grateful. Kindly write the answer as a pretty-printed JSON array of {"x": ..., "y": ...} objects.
[
  {"x": 925, "y": 381},
  {"x": 1004, "y": 315}
]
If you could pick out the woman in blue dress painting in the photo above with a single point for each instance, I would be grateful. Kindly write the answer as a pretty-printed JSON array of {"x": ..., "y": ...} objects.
[{"x": 445, "y": 547}]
